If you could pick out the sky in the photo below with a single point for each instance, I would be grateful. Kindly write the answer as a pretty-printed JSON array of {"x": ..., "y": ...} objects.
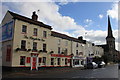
[{"x": 87, "y": 19}]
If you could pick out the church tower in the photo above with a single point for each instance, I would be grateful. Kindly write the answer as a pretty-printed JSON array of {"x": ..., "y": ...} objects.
[{"x": 110, "y": 40}]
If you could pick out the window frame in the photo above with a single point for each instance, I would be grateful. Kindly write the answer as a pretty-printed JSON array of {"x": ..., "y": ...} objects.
[
  {"x": 44, "y": 34},
  {"x": 52, "y": 61},
  {"x": 24, "y": 29},
  {"x": 23, "y": 45},
  {"x": 35, "y": 31},
  {"x": 59, "y": 52},
  {"x": 34, "y": 45},
  {"x": 24, "y": 58},
  {"x": 44, "y": 47}
]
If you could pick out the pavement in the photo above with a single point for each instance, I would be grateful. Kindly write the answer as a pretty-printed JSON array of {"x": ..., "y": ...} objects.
[{"x": 109, "y": 72}]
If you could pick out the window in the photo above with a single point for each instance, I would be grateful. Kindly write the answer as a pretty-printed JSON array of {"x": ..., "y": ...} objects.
[
  {"x": 8, "y": 54},
  {"x": 34, "y": 45},
  {"x": 28, "y": 60},
  {"x": 82, "y": 62},
  {"x": 66, "y": 51},
  {"x": 24, "y": 28},
  {"x": 58, "y": 50},
  {"x": 44, "y": 47},
  {"x": 35, "y": 32},
  {"x": 40, "y": 60},
  {"x": 76, "y": 52},
  {"x": 44, "y": 60},
  {"x": 52, "y": 61},
  {"x": 23, "y": 44},
  {"x": 22, "y": 60},
  {"x": 44, "y": 34},
  {"x": 59, "y": 41},
  {"x": 65, "y": 61},
  {"x": 58, "y": 61},
  {"x": 76, "y": 61},
  {"x": 76, "y": 44},
  {"x": 66, "y": 43}
]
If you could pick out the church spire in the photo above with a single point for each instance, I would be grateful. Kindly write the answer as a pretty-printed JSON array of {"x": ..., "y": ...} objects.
[{"x": 109, "y": 28}]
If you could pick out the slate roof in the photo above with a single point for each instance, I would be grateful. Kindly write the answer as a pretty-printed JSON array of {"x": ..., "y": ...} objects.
[
  {"x": 64, "y": 36},
  {"x": 26, "y": 19}
]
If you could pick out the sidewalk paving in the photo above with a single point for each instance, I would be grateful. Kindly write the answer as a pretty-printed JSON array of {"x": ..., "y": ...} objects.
[{"x": 40, "y": 72}]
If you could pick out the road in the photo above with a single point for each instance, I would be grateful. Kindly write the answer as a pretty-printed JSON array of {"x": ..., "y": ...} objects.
[{"x": 108, "y": 72}]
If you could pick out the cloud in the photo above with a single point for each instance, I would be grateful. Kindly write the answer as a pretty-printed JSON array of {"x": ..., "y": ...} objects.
[
  {"x": 100, "y": 16},
  {"x": 88, "y": 21},
  {"x": 49, "y": 14},
  {"x": 113, "y": 12}
]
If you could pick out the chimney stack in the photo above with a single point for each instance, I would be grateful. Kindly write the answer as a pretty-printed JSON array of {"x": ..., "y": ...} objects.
[
  {"x": 80, "y": 38},
  {"x": 34, "y": 16}
]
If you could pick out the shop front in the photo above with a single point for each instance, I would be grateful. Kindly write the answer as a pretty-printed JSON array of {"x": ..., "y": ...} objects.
[{"x": 78, "y": 61}]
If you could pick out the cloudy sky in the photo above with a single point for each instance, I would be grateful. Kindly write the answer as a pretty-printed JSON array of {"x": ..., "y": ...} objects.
[{"x": 87, "y": 19}]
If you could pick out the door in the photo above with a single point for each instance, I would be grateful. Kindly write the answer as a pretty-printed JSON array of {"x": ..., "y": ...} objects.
[{"x": 34, "y": 62}]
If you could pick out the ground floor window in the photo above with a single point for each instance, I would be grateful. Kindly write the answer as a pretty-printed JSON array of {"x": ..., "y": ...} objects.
[
  {"x": 22, "y": 60},
  {"x": 52, "y": 61},
  {"x": 58, "y": 61},
  {"x": 65, "y": 61},
  {"x": 44, "y": 60},
  {"x": 76, "y": 62},
  {"x": 40, "y": 60},
  {"x": 82, "y": 62}
]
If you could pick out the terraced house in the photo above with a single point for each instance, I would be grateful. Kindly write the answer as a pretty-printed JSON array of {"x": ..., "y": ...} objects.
[{"x": 32, "y": 44}]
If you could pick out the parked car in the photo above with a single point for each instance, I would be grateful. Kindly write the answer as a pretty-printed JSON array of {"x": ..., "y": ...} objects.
[
  {"x": 91, "y": 65},
  {"x": 101, "y": 64}
]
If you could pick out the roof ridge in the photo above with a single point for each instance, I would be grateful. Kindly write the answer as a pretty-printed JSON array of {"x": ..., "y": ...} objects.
[{"x": 24, "y": 18}]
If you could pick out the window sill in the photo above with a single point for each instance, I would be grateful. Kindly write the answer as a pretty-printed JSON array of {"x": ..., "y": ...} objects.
[
  {"x": 23, "y": 33},
  {"x": 34, "y": 35}
]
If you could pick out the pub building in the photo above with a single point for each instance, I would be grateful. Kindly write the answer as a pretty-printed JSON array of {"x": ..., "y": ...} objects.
[{"x": 29, "y": 43}]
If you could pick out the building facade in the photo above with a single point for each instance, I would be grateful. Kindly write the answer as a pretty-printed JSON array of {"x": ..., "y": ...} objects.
[{"x": 30, "y": 43}]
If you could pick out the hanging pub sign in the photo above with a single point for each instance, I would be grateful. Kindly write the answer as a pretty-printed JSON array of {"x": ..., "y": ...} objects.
[{"x": 7, "y": 31}]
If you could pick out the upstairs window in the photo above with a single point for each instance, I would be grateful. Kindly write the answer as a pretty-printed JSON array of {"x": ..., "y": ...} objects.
[
  {"x": 66, "y": 43},
  {"x": 76, "y": 44},
  {"x": 23, "y": 44},
  {"x": 58, "y": 50},
  {"x": 34, "y": 45},
  {"x": 44, "y": 34},
  {"x": 66, "y": 51},
  {"x": 35, "y": 32},
  {"x": 24, "y": 28},
  {"x": 76, "y": 52},
  {"x": 44, "y": 47},
  {"x": 59, "y": 41}
]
